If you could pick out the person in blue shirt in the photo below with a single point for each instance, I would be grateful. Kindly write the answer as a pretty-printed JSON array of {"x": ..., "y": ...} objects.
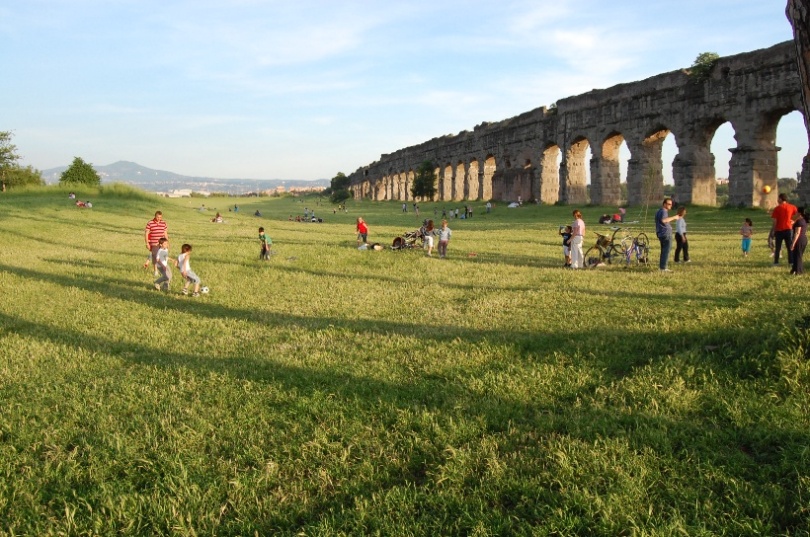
[{"x": 663, "y": 230}]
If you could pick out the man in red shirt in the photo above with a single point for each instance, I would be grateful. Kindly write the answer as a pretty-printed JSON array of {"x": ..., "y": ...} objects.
[
  {"x": 782, "y": 227},
  {"x": 156, "y": 229}
]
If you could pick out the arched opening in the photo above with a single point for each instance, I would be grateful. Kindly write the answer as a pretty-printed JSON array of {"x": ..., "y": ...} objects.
[
  {"x": 723, "y": 143},
  {"x": 669, "y": 149},
  {"x": 791, "y": 137}
]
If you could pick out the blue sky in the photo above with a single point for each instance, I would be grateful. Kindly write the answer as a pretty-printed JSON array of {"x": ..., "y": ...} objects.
[{"x": 302, "y": 89}]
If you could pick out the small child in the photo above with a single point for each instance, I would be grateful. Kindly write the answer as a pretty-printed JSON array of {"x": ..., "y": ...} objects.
[
  {"x": 772, "y": 238},
  {"x": 428, "y": 237},
  {"x": 444, "y": 238},
  {"x": 162, "y": 265},
  {"x": 747, "y": 231},
  {"x": 565, "y": 233},
  {"x": 184, "y": 263},
  {"x": 267, "y": 242}
]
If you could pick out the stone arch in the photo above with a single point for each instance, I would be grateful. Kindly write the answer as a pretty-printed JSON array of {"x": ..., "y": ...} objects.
[
  {"x": 754, "y": 162},
  {"x": 549, "y": 176},
  {"x": 574, "y": 177},
  {"x": 606, "y": 172},
  {"x": 409, "y": 177}
]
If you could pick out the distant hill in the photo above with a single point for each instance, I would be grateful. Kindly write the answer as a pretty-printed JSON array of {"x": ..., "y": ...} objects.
[{"x": 163, "y": 181}]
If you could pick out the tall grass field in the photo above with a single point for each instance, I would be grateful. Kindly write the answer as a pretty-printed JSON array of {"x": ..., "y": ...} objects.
[{"x": 337, "y": 391}]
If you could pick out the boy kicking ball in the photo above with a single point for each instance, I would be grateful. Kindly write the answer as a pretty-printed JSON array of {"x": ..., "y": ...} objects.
[{"x": 189, "y": 277}]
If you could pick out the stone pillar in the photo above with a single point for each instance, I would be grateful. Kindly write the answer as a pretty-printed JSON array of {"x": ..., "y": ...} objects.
[
  {"x": 798, "y": 13},
  {"x": 549, "y": 187},
  {"x": 447, "y": 188},
  {"x": 459, "y": 181},
  {"x": 473, "y": 181},
  {"x": 490, "y": 167},
  {"x": 572, "y": 183},
  {"x": 803, "y": 189},
  {"x": 605, "y": 182},
  {"x": 693, "y": 172},
  {"x": 752, "y": 169}
]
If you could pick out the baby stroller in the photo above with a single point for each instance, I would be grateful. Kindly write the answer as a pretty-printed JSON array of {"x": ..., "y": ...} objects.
[{"x": 409, "y": 239}]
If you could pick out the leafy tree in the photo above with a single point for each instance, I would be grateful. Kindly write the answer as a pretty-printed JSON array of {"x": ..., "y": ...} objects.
[
  {"x": 80, "y": 172},
  {"x": 8, "y": 154},
  {"x": 424, "y": 184},
  {"x": 339, "y": 188},
  {"x": 19, "y": 176},
  {"x": 703, "y": 65}
]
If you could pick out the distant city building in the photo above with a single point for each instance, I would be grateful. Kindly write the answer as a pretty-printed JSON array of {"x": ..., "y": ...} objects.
[{"x": 306, "y": 189}]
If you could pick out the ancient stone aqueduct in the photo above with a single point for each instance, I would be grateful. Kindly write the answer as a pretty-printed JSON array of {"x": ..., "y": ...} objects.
[{"x": 520, "y": 156}]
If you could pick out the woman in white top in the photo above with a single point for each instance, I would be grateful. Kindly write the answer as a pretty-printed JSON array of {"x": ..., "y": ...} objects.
[{"x": 577, "y": 236}]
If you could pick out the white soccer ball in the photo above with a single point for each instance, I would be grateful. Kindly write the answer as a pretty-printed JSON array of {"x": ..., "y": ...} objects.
[{"x": 204, "y": 290}]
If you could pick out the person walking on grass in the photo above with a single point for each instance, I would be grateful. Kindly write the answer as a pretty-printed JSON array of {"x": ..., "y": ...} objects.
[
  {"x": 427, "y": 236},
  {"x": 362, "y": 231},
  {"x": 155, "y": 230},
  {"x": 681, "y": 242},
  {"x": 266, "y": 242},
  {"x": 577, "y": 236},
  {"x": 444, "y": 239},
  {"x": 162, "y": 265},
  {"x": 799, "y": 243},
  {"x": 747, "y": 232},
  {"x": 189, "y": 276},
  {"x": 663, "y": 230},
  {"x": 782, "y": 216}
]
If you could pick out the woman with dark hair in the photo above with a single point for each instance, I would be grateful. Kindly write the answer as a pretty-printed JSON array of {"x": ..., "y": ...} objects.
[{"x": 799, "y": 241}]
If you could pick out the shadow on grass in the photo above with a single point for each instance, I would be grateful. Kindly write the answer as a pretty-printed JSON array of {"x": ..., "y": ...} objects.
[
  {"x": 617, "y": 355},
  {"x": 742, "y": 454}
]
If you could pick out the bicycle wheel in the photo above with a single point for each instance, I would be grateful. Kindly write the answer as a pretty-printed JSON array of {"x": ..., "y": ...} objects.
[
  {"x": 642, "y": 249},
  {"x": 593, "y": 257},
  {"x": 614, "y": 255}
]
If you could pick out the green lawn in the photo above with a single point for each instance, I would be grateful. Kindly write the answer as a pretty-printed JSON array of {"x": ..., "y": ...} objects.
[{"x": 332, "y": 391}]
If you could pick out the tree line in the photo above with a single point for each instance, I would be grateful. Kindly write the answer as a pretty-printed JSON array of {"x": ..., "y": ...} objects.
[{"x": 12, "y": 174}]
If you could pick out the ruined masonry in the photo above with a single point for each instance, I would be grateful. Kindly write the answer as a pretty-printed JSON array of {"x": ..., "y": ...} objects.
[{"x": 519, "y": 156}]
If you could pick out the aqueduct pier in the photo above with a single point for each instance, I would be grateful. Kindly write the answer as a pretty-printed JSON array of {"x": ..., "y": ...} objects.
[{"x": 541, "y": 154}]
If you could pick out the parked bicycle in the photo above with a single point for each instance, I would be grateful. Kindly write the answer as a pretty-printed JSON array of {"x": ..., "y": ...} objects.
[{"x": 616, "y": 249}]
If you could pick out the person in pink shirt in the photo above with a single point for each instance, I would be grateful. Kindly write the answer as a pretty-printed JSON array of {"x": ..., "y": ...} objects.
[{"x": 577, "y": 236}]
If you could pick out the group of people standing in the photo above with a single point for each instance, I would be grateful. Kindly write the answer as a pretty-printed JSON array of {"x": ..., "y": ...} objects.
[{"x": 789, "y": 228}]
